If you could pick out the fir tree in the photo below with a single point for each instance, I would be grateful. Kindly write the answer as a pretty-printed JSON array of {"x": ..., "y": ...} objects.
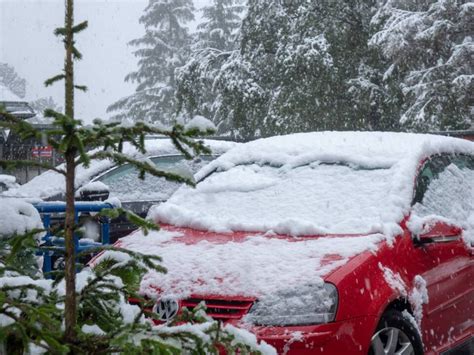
[
  {"x": 215, "y": 41},
  {"x": 291, "y": 72},
  {"x": 162, "y": 49},
  {"x": 12, "y": 81},
  {"x": 45, "y": 103},
  {"x": 427, "y": 51}
]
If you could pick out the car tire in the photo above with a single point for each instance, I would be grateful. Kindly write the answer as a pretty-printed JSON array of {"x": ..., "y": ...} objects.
[{"x": 395, "y": 334}]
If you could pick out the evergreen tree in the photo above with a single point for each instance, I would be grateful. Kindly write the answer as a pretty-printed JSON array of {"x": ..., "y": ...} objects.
[
  {"x": 45, "y": 103},
  {"x": 215, "y": 41},
  {"x": 12, "y": 81},
  {"x": 162, "y": 49},
  {"x": 292, "y": 69},
  {"x": 92, "y": 316},
  {"x": 427, "y": 48}
]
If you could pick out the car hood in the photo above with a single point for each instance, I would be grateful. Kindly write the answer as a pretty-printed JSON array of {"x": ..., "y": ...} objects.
[{"x": 241, "y": 263}]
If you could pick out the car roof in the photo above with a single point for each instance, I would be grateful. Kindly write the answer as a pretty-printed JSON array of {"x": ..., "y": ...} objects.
[{"x": 371, "y": 149}]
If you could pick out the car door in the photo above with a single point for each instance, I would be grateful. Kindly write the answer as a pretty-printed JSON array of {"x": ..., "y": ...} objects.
[{"x": 445, "y": 192}]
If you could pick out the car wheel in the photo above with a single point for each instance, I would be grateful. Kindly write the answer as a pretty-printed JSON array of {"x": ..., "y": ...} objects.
[{"x": 395, "y": 335}]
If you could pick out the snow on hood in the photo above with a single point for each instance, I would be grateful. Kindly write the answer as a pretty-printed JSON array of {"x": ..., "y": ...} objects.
[
  {"x": 253, "y": 265},
  {"x": 294, "y": 189},
  {"x": 50, "y": 183}
]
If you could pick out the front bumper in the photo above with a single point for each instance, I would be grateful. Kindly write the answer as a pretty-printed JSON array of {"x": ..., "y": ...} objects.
[{"x": 345, "y": 337}]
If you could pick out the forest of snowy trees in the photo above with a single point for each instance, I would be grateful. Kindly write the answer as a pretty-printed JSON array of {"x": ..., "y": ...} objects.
[{"x": 264, "y": 67}]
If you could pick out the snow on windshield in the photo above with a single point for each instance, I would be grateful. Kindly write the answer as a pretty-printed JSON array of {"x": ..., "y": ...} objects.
[{"x": 318, "y": 198}]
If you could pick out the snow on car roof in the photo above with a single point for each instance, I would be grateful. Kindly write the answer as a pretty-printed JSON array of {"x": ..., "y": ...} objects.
[
  {"x": 377, "y": 149},
  {"x": 292, "y": 190},
  {"x": 50, "y": 183}
]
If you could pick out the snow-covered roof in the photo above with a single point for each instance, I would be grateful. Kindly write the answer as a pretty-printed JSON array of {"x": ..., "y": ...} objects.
[
  {"x": 40, "y": 120},
  {"x": 51, "y": 183}
]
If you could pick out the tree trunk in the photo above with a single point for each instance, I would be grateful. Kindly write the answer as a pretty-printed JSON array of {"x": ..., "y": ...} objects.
[{"x": 70, "y": 311}]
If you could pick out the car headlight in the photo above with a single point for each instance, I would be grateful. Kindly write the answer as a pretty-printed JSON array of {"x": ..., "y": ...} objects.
[{"x": 310, "y": 304}]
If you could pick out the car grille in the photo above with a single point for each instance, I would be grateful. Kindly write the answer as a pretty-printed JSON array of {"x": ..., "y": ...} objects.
[{"x": 221, "y": 309}]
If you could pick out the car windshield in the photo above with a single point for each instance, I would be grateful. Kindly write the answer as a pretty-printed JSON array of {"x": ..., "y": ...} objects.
[
  {"x": 124, "y": 181},
  {"x": 317, "y": 198}
]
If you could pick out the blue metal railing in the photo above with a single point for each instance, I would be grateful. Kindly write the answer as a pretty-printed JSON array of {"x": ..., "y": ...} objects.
[{"x": 48, "y": 209}]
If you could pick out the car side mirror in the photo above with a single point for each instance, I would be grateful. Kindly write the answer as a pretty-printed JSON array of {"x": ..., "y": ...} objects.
[
  {"x": 93, "y": 191},
  {"x": 439, "y": 232}
]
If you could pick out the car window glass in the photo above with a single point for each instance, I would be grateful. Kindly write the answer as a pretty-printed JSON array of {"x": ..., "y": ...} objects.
[
  {"x": 428, "y": 173},
  {"x": 449, "y": 192},
  {"x": 124, "y": 181}
]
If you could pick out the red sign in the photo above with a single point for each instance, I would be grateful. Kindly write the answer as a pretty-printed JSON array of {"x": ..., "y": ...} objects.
[{"x": 42, "y": 152}]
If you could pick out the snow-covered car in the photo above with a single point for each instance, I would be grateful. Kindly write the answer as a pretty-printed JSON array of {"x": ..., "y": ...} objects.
[
  {"x": 330, "y": 242},
  {"x": 103, "y": 179}
]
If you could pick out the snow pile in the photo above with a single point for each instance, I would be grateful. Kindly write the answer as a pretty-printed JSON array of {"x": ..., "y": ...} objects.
[
  {"x": 7, "y": 179},
  {"x": 92, "y": 329},
  {"x": 219, "y": 264},
  {"x": 200, "y": 330},
  {"x": 418, "y": 297},
  {"x": 394, "y": 280},
  {"x": 245, "y": 337},
  {"x": 52, "y": 184},
  {"x": 7, "y": 182},
  {"x": 92, "y": 187},
  {"x": 17, "y": 217},
  {"x": 309, "y": 183},
  {"x": 29, "y": 291},
  {"x": 200, "y": 123}
]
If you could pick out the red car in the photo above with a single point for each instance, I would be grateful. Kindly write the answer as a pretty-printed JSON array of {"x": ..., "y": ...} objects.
[{"x": 334, "y": 243}]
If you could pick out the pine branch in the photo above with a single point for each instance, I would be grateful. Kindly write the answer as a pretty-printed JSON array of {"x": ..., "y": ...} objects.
[
  {"x": 60, "y": 31},
  {"x": 76, "y": 54},
  {"x": 54, "y": 79},
  {"x": 81, "y": 87},
  {"x": 80, "y": 27}
]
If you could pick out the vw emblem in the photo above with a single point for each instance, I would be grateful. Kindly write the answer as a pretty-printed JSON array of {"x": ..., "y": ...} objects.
[{"x": 166, "y": 310}]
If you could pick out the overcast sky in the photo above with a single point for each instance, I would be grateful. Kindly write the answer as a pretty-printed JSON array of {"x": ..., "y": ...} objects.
[{"x": 27, "y": 43}]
